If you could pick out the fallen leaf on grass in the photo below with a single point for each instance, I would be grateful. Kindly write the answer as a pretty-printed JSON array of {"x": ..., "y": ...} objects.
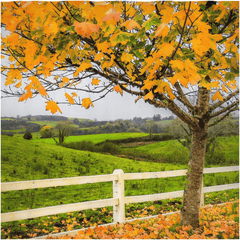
[{"x": 168, "y": 227}]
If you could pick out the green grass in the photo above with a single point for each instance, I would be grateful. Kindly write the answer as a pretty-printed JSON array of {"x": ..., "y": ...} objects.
[
  {"x": 230, "y": 148},
  {"x": 42, "y": 123},
  {"x": 31, "y": 159},
  {"x": 226, "y": 152},
  {"x": 167, "y": 151},
  {"x": 96, "y": 138}
]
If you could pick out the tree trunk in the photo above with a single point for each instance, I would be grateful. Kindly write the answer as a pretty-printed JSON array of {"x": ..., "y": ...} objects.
[{"x": 191, "y": 199}]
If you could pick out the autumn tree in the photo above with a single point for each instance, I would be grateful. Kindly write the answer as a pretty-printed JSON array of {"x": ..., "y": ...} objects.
[
  {"x": 47, "y": 132},
  {"x": 162, "y": 52}
]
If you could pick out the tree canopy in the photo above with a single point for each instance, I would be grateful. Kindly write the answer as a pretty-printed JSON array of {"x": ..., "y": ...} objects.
[{"x": 152, "y": 50}]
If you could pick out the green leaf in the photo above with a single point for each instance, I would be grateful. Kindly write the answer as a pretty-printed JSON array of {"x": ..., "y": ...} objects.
[
  {"x": 148, "y": 48},
  {"x": 139, "y": 55},
  {"x": 139, "y": 19},
  {"x": 230, "y": 76}
]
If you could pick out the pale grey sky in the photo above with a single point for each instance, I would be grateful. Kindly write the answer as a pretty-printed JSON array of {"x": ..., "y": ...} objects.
[{"x": 112, "y": 107}]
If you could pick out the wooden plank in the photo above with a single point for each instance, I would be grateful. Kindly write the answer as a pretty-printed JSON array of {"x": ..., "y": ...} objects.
[
  {"x": 21, "y": 185},
  {"x": 221, "y": 187},
  {"x": 33, "y": 213},
  {"x": 153, "y": 197},
  {"x": 221, "y": 169},
  {"x": 145, "y": 175}
]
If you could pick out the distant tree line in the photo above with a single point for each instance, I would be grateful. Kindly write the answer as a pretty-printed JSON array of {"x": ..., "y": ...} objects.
[{"x": 15, "y": 124}]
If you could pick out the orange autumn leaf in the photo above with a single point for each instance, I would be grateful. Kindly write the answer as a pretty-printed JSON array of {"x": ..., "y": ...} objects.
[
  {"x": 87, "y": 102},
  {"x": 82, "y": 67},
  {"x": 69, "y": 98},
  {"x": 19, "y": 84},
  {"x": 61, "y": 84},
  {"x": 149, "y": 96},
  {"x": 112, "y": 14},
  {"x": 34, "y": 80},
  {"x": 224, "y": 89},
  {"x": 25, "y": 96},
  {"x": 162, "y": 30},
  {"x": 53, "y": 107},
  {"x": 130, "y": 24},
  {"x": 118, "y": 89},
  {"x": 95, "y": 81},
  {"x": 42, "y": 91},
  {"x": 65, "y": 79},
  {"x": 74, "y": 94},
  {"x": 177, "y": 64},
  {"x": 216, "y": 96},
  {"x": 85, "y": 28}
]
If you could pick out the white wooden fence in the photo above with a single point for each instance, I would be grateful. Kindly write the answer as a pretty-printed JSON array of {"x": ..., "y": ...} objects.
[{"x": 118, "y": 201}]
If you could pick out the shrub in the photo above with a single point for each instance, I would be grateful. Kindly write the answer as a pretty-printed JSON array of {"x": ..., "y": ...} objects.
[
  {"x": 109, "y": 147},
  {"x": 27, "y": 135},
  {"x": 47, "y": 132},
  {"x": 133, "y": 129}
]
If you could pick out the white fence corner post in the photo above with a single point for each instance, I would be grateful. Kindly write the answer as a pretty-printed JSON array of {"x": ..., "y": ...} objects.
[
  {"x": 202, "y": 195},
  {"x": 118, "y": 192}
]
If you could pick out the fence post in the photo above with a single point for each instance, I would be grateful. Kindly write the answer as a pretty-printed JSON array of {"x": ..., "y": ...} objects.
[
  {"x": 202, "y": 195},
  {"x": 118, "y": 192}
]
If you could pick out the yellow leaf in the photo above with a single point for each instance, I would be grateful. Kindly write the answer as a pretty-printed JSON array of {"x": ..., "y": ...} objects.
[
  {"x": 74, "y": 94},
  {"x": 87, "y": 102},
  {"x": 99, "y": 56},
  {"x": 82, "y": 67},
  {"x": 166, "y": 49},
  {"x": 34, "y": 80},
  {"x": 54, "y": 27},
  {"x": 224, "y": 89},
  {"x": 53, "y": 107},
  {"x": 95, "y": 81},
  {"x": 19, "y": 84},
  {"x": 149, "y": 96},
  {"x": 216, "y": 96},
  {"x": 130, "y": 24},
  {"x": 118, "y": 89},
  {"x": 126, "y": 57},
  {"x": 103, "y": 47},
  {"x": 177, "y": 64},
  {"x": 148, "y": 85},
  {"x": 65, "y": 79},
  {"x": 70, "y": 99}
]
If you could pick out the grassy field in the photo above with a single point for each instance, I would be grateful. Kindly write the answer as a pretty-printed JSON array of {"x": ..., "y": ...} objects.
[
  {"x": 35, "y": 159},
  {"x": 96, "y": 138},
  {"x": 226, "y": 152}
]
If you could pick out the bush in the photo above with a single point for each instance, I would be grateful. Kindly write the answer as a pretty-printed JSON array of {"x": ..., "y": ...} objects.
[
  {"x": 133, "y": 129},
  {"x": 90, "y": 146},
  {"x": 27, "y": 135},
  {"x": 109, "y": 147},
  {"x": 47, "y": 132}
]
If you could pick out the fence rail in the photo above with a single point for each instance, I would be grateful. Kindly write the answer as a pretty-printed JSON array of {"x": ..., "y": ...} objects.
[{"x": 118, "y": 201}]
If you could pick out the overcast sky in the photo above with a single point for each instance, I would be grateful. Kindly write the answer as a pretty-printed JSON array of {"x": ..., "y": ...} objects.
[{"x": 112, "y": 107}]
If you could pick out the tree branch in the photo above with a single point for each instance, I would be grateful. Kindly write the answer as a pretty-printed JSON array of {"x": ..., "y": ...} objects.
[{"x": 218, "y": 104}]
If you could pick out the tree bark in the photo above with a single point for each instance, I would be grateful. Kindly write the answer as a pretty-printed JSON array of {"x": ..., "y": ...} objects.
[{"x": 191, "y": 199}]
